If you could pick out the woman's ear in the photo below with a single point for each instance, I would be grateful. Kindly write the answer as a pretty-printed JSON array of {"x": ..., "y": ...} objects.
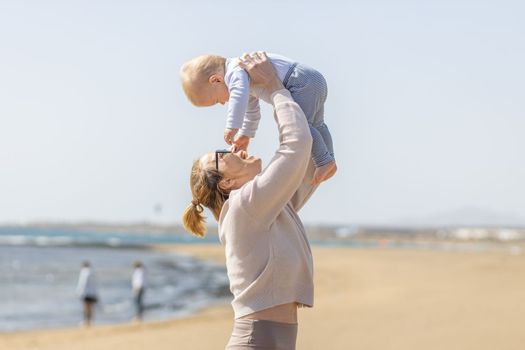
[{"x": 226, "y": 184}]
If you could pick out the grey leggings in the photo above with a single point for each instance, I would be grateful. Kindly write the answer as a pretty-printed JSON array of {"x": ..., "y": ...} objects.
[{"x": 263, "y": 335}]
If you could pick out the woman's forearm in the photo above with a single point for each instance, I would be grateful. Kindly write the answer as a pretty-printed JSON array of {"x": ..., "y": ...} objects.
[{"x": 291, "y": 121}]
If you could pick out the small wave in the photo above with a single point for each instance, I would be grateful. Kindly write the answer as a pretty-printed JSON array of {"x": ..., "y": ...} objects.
[
  {"x": 37, "y": 240},
  {"x": 14, "y": 240},
  {"x": 114, "y": 242}
]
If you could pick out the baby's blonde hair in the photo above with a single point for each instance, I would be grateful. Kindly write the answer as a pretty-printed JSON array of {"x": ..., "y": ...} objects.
[{"x": 195, "y": 73}]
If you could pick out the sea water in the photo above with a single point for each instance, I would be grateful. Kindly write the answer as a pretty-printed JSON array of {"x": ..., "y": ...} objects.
[{"x": 38, "y": 282}]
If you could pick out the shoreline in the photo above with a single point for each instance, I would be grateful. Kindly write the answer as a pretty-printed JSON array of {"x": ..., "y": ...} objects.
[{"x": 364, "y": 299}]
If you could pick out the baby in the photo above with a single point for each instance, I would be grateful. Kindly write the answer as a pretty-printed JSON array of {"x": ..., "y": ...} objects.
[{"x": 210, "y": 79}]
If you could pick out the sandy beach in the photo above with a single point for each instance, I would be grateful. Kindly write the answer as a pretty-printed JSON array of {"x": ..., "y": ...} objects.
[{"x": 364, "y": 299}]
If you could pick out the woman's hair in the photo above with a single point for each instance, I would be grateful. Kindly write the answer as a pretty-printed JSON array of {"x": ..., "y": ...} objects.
[
  {"x": 195, "y": 73},
  {"x": 206, "y": 192}
]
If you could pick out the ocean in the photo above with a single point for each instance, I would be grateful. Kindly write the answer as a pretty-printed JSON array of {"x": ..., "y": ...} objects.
[{"x": 39, "y": 270}]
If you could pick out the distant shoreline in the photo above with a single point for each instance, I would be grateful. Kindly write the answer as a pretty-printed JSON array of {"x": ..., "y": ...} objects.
[{"x": 317, "y": 233}]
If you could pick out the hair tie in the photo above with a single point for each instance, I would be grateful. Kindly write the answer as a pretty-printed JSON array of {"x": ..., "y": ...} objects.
[{"x": 197, "y": 205}]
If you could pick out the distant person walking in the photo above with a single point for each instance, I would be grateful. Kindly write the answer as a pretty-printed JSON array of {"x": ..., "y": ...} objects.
[
  {"x": 138, "y": 284},
  {"x": 87, "y": 291}
]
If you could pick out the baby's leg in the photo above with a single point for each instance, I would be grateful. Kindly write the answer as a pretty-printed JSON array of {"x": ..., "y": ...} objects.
[
  {"x": 322, "y": 149},
  {"x": 327, "y": 137},
  {"x": 308, "y": 88},
  {"x": 322, "y": 152},
  {"x": 322, "y": 145}
]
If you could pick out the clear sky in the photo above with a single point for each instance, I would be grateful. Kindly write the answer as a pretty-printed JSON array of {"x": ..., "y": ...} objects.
[{"x": 426, "y": 105}]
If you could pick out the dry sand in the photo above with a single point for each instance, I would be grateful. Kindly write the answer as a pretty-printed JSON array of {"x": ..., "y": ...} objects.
[{"x": 364, "y": 299}]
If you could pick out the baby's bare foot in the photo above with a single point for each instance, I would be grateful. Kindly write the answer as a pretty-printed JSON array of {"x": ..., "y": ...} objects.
[{"x": 324, "y": 172}]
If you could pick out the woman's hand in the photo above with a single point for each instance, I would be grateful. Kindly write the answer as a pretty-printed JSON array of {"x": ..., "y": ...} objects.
[{"x": 261, "y": 71}]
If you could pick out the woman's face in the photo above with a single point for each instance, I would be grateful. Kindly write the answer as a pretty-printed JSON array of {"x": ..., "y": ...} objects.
[{"x": 238, "y": 166}]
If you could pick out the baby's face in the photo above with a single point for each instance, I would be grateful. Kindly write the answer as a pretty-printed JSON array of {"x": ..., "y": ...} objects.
[{"x": 213, "y": 93}]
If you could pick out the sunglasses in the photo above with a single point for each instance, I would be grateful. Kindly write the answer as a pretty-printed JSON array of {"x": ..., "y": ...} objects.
[{"x": 219, "y": 154}]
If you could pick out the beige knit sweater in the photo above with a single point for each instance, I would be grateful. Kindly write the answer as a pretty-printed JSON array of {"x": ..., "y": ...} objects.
[{"x": 268, "y": 257}]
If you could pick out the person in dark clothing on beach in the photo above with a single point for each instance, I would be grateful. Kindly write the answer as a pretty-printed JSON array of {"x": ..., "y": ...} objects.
[{"x": 87, "y": 291}]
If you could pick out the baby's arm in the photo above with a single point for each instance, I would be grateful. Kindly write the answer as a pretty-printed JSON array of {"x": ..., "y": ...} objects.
[
  {"x": 250, "y": 124},
  {"x": 251, "y": 118},
  {"x": 239, "y": 89}
]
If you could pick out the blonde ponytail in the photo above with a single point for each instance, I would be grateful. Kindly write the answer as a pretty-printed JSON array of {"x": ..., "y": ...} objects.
[
  {"x": 193, "y": 220},
  {"x": 206, "y": 192}
]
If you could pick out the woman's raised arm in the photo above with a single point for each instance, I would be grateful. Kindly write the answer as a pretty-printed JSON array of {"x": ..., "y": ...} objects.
[{"x": 266, "y": 195}]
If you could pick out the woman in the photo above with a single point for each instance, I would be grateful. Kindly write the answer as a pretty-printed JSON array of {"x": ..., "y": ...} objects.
[{"x": 268, "y": 256}]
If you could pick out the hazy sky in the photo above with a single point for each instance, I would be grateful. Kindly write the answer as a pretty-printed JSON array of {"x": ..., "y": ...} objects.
[{"x": 426, "y": 104}]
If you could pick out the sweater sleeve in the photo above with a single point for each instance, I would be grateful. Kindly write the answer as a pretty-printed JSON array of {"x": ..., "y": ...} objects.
[
  {"x": 239, "y": 89},
  {"x": 306, "y": 189},
  {"x": 268, "y": 193}
]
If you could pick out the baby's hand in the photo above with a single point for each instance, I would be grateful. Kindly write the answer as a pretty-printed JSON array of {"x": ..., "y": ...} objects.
[
  {"x": 229, "y": 134},
  {"x": 241, "y": 143}
]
